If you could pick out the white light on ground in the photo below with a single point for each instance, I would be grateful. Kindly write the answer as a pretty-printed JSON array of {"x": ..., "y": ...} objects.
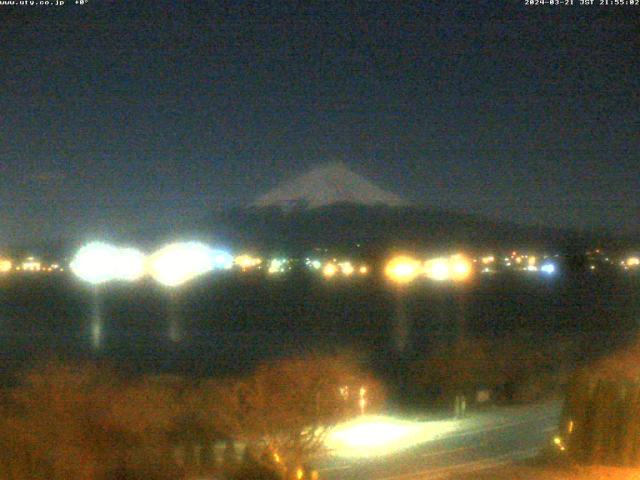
[{"x": 374, "y": 436}]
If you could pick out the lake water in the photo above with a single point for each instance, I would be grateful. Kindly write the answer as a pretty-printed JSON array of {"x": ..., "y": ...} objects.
[{"x": 229, "y": 322}]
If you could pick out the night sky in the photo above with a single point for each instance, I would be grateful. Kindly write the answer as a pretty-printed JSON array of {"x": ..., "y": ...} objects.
[{"x": 123, "y": 115}]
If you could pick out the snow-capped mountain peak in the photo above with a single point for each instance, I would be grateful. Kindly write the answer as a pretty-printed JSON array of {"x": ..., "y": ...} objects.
[{"x": 326, "y": 185}]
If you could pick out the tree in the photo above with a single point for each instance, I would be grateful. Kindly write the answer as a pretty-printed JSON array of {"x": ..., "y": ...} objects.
[
  {"x": 286, "y": 407},
  {"x": 600, "y": 423},
  {"x": 83, "y": 422}
]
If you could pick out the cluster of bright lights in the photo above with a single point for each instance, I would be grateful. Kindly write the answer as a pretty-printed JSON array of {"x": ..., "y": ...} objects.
[
  {"x": 403, "y": 269},
  {"x": 488, "y": 259},
  {"x": 548, "y": 268},
  {"x": 179, "y": 263},
  {"x": 99, "y": 262},
  {"x": 29, "y": 265},
  {"x": 456, "y": 268},
  {"x": 332, "y": 268},
  {"x": 172, "y": 265},
  {"x": 438, "y": 269},
  {"x": 524, "y": 262},
  {"x": 279, "y": 265},
  {"x": 632, "y": 262},
  {"x": 5, "y": 265},
  {"x": 314, "y": 264},
  {"x": 247, "y": 262},
  {"x": 375, "y": 436}
]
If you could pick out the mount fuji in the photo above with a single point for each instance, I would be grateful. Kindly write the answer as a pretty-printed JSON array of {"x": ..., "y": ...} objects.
[
  {"x": 328, "y": 184},
  {"x": 331, "y": 206}
]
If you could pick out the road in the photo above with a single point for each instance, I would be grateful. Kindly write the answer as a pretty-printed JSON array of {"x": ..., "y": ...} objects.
[{"x": 480, "y": 441}]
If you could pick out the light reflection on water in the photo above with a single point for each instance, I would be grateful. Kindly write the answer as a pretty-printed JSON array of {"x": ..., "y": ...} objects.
[{"x": 229, "y": 324}]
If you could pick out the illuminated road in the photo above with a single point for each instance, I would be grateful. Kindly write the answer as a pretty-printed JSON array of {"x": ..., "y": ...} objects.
[{"x": 481, "y": 441}]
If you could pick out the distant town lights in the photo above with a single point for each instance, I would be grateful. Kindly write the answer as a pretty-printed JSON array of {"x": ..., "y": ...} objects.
[
  {"x": 221, "y": 260},
  {"x": 460, "y": 268},
  {"x": 633, "y": 261},
  {"x": 346, "y": 268},
  {"x": 454, "y": 268},
  {"x": 277, "y": 265},
  {"x": 5, "y": 265},
  {"x": 329, "y": 270},
  {"x": 437, "y": 269},
  {"x": 403, "y": 269},
  {"x": 31, "y": 265},
  {"x": 246, "y": 261},
  {"x": 487, "y": 260},
  {"x": 548, "y": 268}
]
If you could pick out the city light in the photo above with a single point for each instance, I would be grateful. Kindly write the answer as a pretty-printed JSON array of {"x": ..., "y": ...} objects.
[
  {"x": 315, "y": 264},
  {"x": 5, "y": 265},
  {"x": 277, "y": 265},
  {"x": 329, "y": 270},
  {"x": 437, "y": 269},
  {"x": 247, "y": 262},
  {"x": 31, "y": 265},
  {"x": 455, "y": 268},
  {"x": 548, "y": 268},
  {"x": 128, "y": 264},
  {"x": 179, "y": 263},
  {"x": 460, "y": 268},
  {"x": 487, "y": 260},
  {"x": 99, "y": 262},
  {"x": 221, "y": 260},
  {"x": 633, "y": 261},
  {"x": 346, "y": 268},
  {"x": 95, "y": 263},
  {"x": 402, "y": 269}
]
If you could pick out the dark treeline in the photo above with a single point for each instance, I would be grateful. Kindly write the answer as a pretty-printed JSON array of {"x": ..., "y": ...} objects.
[{"x": 87, "y": 421}]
